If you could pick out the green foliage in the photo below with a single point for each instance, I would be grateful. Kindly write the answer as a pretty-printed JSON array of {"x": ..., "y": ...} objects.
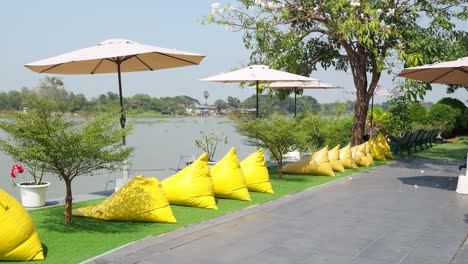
[
  {"x": 442, "y": 117},
  {"x": 209, "y": 142},
  {"x": 400, "y": 117},
  {"x": 382, "y": 121},
  {"x": 459, "y": 107},
  {"x": 43, "y": 138},
  {"x": 276, "y": 133},
  {"x": 418, "y": 114},
  {"x": 359, "y": 35},
  {"x": 326, "y": 131}
]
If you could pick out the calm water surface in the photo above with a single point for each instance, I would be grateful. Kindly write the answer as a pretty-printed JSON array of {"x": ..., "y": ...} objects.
[{"x": 159, "y": 145}]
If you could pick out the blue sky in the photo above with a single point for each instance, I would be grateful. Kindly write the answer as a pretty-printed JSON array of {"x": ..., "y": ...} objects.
[{"x": 34, "y": 30}]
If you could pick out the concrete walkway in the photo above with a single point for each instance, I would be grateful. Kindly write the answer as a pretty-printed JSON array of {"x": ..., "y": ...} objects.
[{"x": 404, "y": 212}]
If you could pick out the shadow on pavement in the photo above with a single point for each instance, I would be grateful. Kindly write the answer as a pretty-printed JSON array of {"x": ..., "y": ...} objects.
[{"x": 438, "y": 182}]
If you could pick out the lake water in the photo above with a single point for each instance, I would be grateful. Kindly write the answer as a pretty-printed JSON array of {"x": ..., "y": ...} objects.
[{"x": 159, "y": 145}]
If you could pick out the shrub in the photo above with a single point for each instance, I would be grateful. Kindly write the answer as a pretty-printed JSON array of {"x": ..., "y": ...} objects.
[
  {"x": 276, "y": 133},
  {"x": 442, "y": 117},
  {"x": 417, "y": 114},
  {"x": 459, "y": 107}
]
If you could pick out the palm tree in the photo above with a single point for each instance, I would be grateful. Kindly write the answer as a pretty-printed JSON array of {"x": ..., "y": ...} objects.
[{"x": 206, "y": 95}]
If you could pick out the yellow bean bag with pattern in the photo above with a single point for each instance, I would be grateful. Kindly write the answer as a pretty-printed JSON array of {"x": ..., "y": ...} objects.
[
  {"x": 317, "y": 164},
  {"x": 377, "y": 150},
  {"x": 257, "y": 178},
  {"x": 19, "y": 240},
  {"x": 368, "y": 153},
  {"x": 334, "y": 159},
  {"x": 228, "y": 178},
  {"x": 139, "y": 200},
  {"x": 346, "y": 157},
  {"x": 382, "y": 141},
  {"x": 360, "y": 155},
  {"x": 192, "y": 186}
]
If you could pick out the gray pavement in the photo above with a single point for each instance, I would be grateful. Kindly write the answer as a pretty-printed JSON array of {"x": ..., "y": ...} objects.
[{"x": 403, "y": 212}]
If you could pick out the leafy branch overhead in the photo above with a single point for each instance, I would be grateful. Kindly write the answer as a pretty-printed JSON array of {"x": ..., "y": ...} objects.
[{"x": 363, "y": 37}]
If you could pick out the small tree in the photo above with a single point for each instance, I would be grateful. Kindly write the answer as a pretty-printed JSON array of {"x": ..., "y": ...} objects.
[
  {"x": 443, "y": 117},
  {"x": 209, "y": 142},
  {"x": 63, "y": 146},
  {"x": 276, "y": 134}
]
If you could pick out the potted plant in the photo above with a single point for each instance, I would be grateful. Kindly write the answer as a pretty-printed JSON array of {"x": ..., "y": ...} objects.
[{"x": 33, "y": 193}]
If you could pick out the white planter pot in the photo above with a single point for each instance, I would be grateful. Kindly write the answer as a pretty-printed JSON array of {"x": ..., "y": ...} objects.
[{"x": 33, "y": 195}]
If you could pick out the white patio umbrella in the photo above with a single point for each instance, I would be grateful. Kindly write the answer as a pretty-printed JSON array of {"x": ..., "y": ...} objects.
[
  {"x": 449, "y": 72},
  {"x": 314, "y": 84},
  {"x": 256, "y": 73},
  {"x": 116, "y": 56}
]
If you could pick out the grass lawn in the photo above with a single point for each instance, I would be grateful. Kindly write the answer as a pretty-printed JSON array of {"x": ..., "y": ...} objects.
[
  {"x": 446, "y": 151},
  {"x": 87, "y": 238}
]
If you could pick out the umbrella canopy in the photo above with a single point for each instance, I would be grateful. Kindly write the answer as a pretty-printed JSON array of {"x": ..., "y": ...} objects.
[
  {"x": 256, "y": 73},
  {"x": 313, "y": 84},
  {"x": 450, "y": 72},
  {"x": 116, "y": 56}
]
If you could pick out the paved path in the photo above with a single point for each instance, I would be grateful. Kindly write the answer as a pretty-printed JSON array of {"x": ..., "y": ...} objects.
[{"x": 404, "y": 212}]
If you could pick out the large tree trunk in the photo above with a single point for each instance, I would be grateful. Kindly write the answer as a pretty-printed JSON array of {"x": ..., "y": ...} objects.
[
  {"x": 68, "y": 201},
  {"x": 360, "y": 117},
  {"x": 280, "y": 167}
]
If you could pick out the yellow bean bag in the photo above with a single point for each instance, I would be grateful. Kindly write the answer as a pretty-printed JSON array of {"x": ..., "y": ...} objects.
[
  {"x": 140, "y": 200},
  {"x": 382, "y": 141},
  {"x": 360, "y": 156},
  {"x": 317, "y": 164},
  {"x": 19, "y": 240},
  {"x": 228, "y": 178},
  {"x": 255, "y": 172},
  {"x": 368, "y": 153},
  {"x": 192, "y": 186},
  {"x": 377, "y": 150},
  {"x": 346, "y": 157},
  {"x": 334, "y": 159}
]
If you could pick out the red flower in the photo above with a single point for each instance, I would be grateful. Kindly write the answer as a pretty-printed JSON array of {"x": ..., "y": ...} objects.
[{"x": 17, "y": 168}]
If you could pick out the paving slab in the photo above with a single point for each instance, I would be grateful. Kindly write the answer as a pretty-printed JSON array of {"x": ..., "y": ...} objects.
[{"x": 403, "y": 212}]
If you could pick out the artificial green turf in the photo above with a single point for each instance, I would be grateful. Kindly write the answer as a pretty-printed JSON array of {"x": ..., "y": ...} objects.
[
  {"x": 446, "y": 151},
  {"x": 87, "y": 238}
]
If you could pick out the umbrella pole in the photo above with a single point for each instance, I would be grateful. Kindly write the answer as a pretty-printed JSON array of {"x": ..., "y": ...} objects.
[
  {"x": 295, "y": 105},
  {"x": 256, "y": 109},
  {"x": 122, "y": 123}
]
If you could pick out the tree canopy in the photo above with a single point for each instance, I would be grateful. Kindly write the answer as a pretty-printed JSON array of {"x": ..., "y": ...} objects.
[{"x": 364, "y": 37}]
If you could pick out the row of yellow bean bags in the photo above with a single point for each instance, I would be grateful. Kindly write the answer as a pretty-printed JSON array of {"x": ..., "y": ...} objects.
[
  {"x": 359, "y": 153},
  {"x": 192, "y": 186},
  {"x": 346, "y": 157},
  {"x": 369, "y": 153},
  {"x": 377, "y": 150},
  {"x": 256, "y": 173},
  {"x": 19, "y": 240},
  {"x": 197, "y": 184},
  {"x": 228, "y": 178},
  {"x": 382, "y": 142},
  {"x": 317, "y": 164},
  {"x": 140, "y": 200},
  {"x": 334, "y": 159}
]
